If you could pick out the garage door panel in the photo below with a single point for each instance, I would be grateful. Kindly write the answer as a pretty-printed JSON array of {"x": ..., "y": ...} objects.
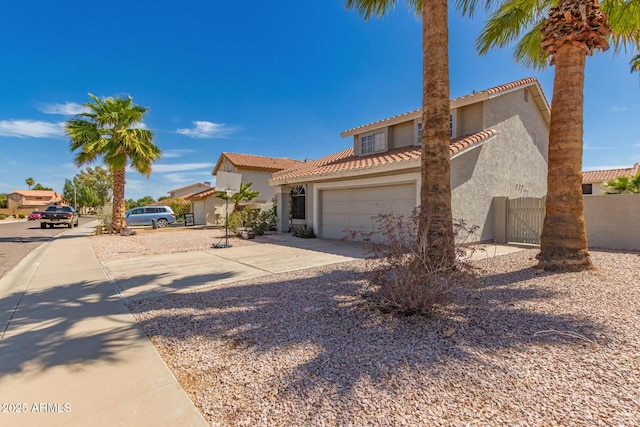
[{"x": 357, "y": 209}]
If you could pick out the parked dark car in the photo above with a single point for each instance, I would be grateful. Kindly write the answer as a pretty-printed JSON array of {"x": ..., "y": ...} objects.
[
  {"x": 59, "y": 215},
  {"x": 144, "y": 215},
  {"x": 35, "y": 215}
]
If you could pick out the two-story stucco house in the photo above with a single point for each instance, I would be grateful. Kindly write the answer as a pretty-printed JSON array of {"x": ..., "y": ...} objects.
[
  {"x": 209, "y": 209},
  {"x": 499, "y": 143}
]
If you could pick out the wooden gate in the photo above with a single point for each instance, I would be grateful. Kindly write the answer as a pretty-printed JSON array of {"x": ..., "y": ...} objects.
[{"x": 524, "y": 220}]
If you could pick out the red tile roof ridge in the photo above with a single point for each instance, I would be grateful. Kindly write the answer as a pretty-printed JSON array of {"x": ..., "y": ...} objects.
[
  {"x": 603, "y": 175},
  {"x": 346, "y": 160}
]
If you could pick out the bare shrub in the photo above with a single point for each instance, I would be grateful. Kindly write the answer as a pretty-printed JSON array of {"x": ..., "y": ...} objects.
[
  {"x": 402, "y": 277},
  {"x": 105, "y": 213}
]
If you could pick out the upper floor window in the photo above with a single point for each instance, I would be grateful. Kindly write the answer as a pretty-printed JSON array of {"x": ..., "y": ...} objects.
[
  {"x": 450, "y": 125},
  {"x": 419, "y": 132},
  {"x": 373, "y": 143}
]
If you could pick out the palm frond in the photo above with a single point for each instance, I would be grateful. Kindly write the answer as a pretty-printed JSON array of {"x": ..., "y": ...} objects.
[
  {"x": 527, "y": 50},
  {"x": 635, "y": 63},
  {"x": 379, "y": 8},
  {"x": 509, "y": 22}
]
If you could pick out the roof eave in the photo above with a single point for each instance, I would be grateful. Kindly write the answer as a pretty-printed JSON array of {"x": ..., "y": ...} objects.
[{"x": 374, "y": 169}]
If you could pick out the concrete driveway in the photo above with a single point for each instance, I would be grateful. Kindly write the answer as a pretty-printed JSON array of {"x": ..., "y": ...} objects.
[{"x": 152, "y": 276}]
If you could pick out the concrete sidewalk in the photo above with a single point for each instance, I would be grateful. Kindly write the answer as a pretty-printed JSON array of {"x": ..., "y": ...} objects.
[{"x": 71, "y": 354}]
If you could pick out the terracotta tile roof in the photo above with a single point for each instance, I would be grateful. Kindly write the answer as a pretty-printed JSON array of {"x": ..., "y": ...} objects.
[
  {"x": 455, "y": 103},
  {"x": 609, "y": 174},
  {"x": 250, "y": 161},
  {"x": 346, "y": 160},
  {"x": 36, "y": 193},
  {"x": 195, "y": 184},
  {"x": 202, "y": 194}
]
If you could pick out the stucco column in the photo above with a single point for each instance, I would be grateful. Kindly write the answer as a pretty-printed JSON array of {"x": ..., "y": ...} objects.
[
  {"x": 499, "y": 206},
  {"x": 282, "y": 201}
]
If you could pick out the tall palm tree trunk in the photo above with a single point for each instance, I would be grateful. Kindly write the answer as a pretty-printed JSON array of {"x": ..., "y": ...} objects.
[
  {"x": 435, "y": 221},
  {"x": 119, "y": 223},
  {"x": 563, "y": 244}
]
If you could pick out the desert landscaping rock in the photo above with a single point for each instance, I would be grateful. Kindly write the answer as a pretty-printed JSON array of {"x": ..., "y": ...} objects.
[{"x": 526, "y": 348}]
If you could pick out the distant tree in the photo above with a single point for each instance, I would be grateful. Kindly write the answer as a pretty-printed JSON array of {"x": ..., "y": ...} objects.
[
  {"x": 29, "y": 182},
  {"x": 89, "y": 188},
  {"x": 246, "y": 194},
  {"x": 624, "y": 184},
  {"x": 111, "y": 130},
  {"x": 179, "y": 206},
  {"x": 39, "y": 186},
  {"x": 145, "y": 201},
  {"x": 163, "y": 198},
  {"x": 3, "y": 201}
]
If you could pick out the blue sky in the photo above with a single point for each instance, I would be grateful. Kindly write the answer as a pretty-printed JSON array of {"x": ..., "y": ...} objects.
[{"x": 278, "y": 79}]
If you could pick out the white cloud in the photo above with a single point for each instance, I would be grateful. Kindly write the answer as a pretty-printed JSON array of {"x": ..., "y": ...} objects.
[
  {"x": 30, "y": 129},
  {"x": 589, "y": 147},
  {"x": 66, "y": 109},
  {"x": 601, "y": 168},
  {"x": 176, "y": 153},
  {"x": 204, "y": 129},
  {"x": 620, "y": 109},
  {"x": 181, "y": 167}
]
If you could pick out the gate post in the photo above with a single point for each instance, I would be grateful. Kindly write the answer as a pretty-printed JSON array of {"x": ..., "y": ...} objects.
[{"x": 499, "y": 206}]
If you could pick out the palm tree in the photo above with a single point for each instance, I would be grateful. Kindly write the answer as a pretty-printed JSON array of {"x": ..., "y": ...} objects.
[
  {"x": 572, "y": 31},
  {"x": 635, "y": 63},
  {"x": 244, "y": 195},
  {"x": 564, "y": 32},
  {"x": 108, "y": 130},
  {"x": 30, "y": 182},
  {"x": 435, "y": 224}
]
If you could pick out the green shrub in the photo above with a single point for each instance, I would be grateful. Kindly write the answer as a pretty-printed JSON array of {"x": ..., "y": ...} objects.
[
  {"x": 21, "y": 216},
  {"x": 303, "y": 231},
  {"x": 3, "y": 216}
]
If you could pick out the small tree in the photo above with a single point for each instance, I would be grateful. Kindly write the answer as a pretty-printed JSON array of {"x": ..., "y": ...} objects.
[
  {"x": 624, "y": 184},
  {"x": 244, "y": 195},
  {"x": 29, "y": 182}
]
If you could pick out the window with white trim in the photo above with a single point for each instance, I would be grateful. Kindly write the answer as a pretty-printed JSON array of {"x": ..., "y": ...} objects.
[
  {"x": 373, "y": 143},
  {"x": 419, "y": 133},
  {"x": 450, "y": 125}
]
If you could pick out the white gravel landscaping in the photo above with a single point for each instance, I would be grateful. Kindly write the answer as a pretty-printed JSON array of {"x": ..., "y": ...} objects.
[{"x": 526, "y": 348}]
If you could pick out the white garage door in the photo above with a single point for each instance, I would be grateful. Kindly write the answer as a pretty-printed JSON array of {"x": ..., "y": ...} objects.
[
  {"x": 199, "y": 216},
  {"x": 357, "y": 208}
]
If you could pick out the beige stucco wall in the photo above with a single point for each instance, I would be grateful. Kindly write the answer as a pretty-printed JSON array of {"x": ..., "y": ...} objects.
[
  {"x": 468, "y": 120},
  {"x": 260, "y": 182},
  {"x": 402, "y": 135},
  {"x": 510, "y": 165},
  {"x": 612, "y": 221},
  {"x": 499, "y": 112}
]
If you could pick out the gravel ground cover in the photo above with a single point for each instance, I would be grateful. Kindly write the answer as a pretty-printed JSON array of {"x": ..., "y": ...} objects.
[
  {"x": 147, "y": 241},
  {"x": 525, "y": 348}
]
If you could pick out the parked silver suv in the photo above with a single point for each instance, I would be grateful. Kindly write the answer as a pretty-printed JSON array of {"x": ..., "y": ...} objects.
[{"x": 163, "y": 216}]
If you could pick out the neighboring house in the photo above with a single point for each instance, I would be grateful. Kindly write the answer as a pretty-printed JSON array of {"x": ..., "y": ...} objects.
[
  {"x": 209, "y": 209},
  {"x": 499, "y": 144},
  {"x": 593, "y": 181},
  {"x": 25, "y": 201},
  {"x": 187, "y": 191}
]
